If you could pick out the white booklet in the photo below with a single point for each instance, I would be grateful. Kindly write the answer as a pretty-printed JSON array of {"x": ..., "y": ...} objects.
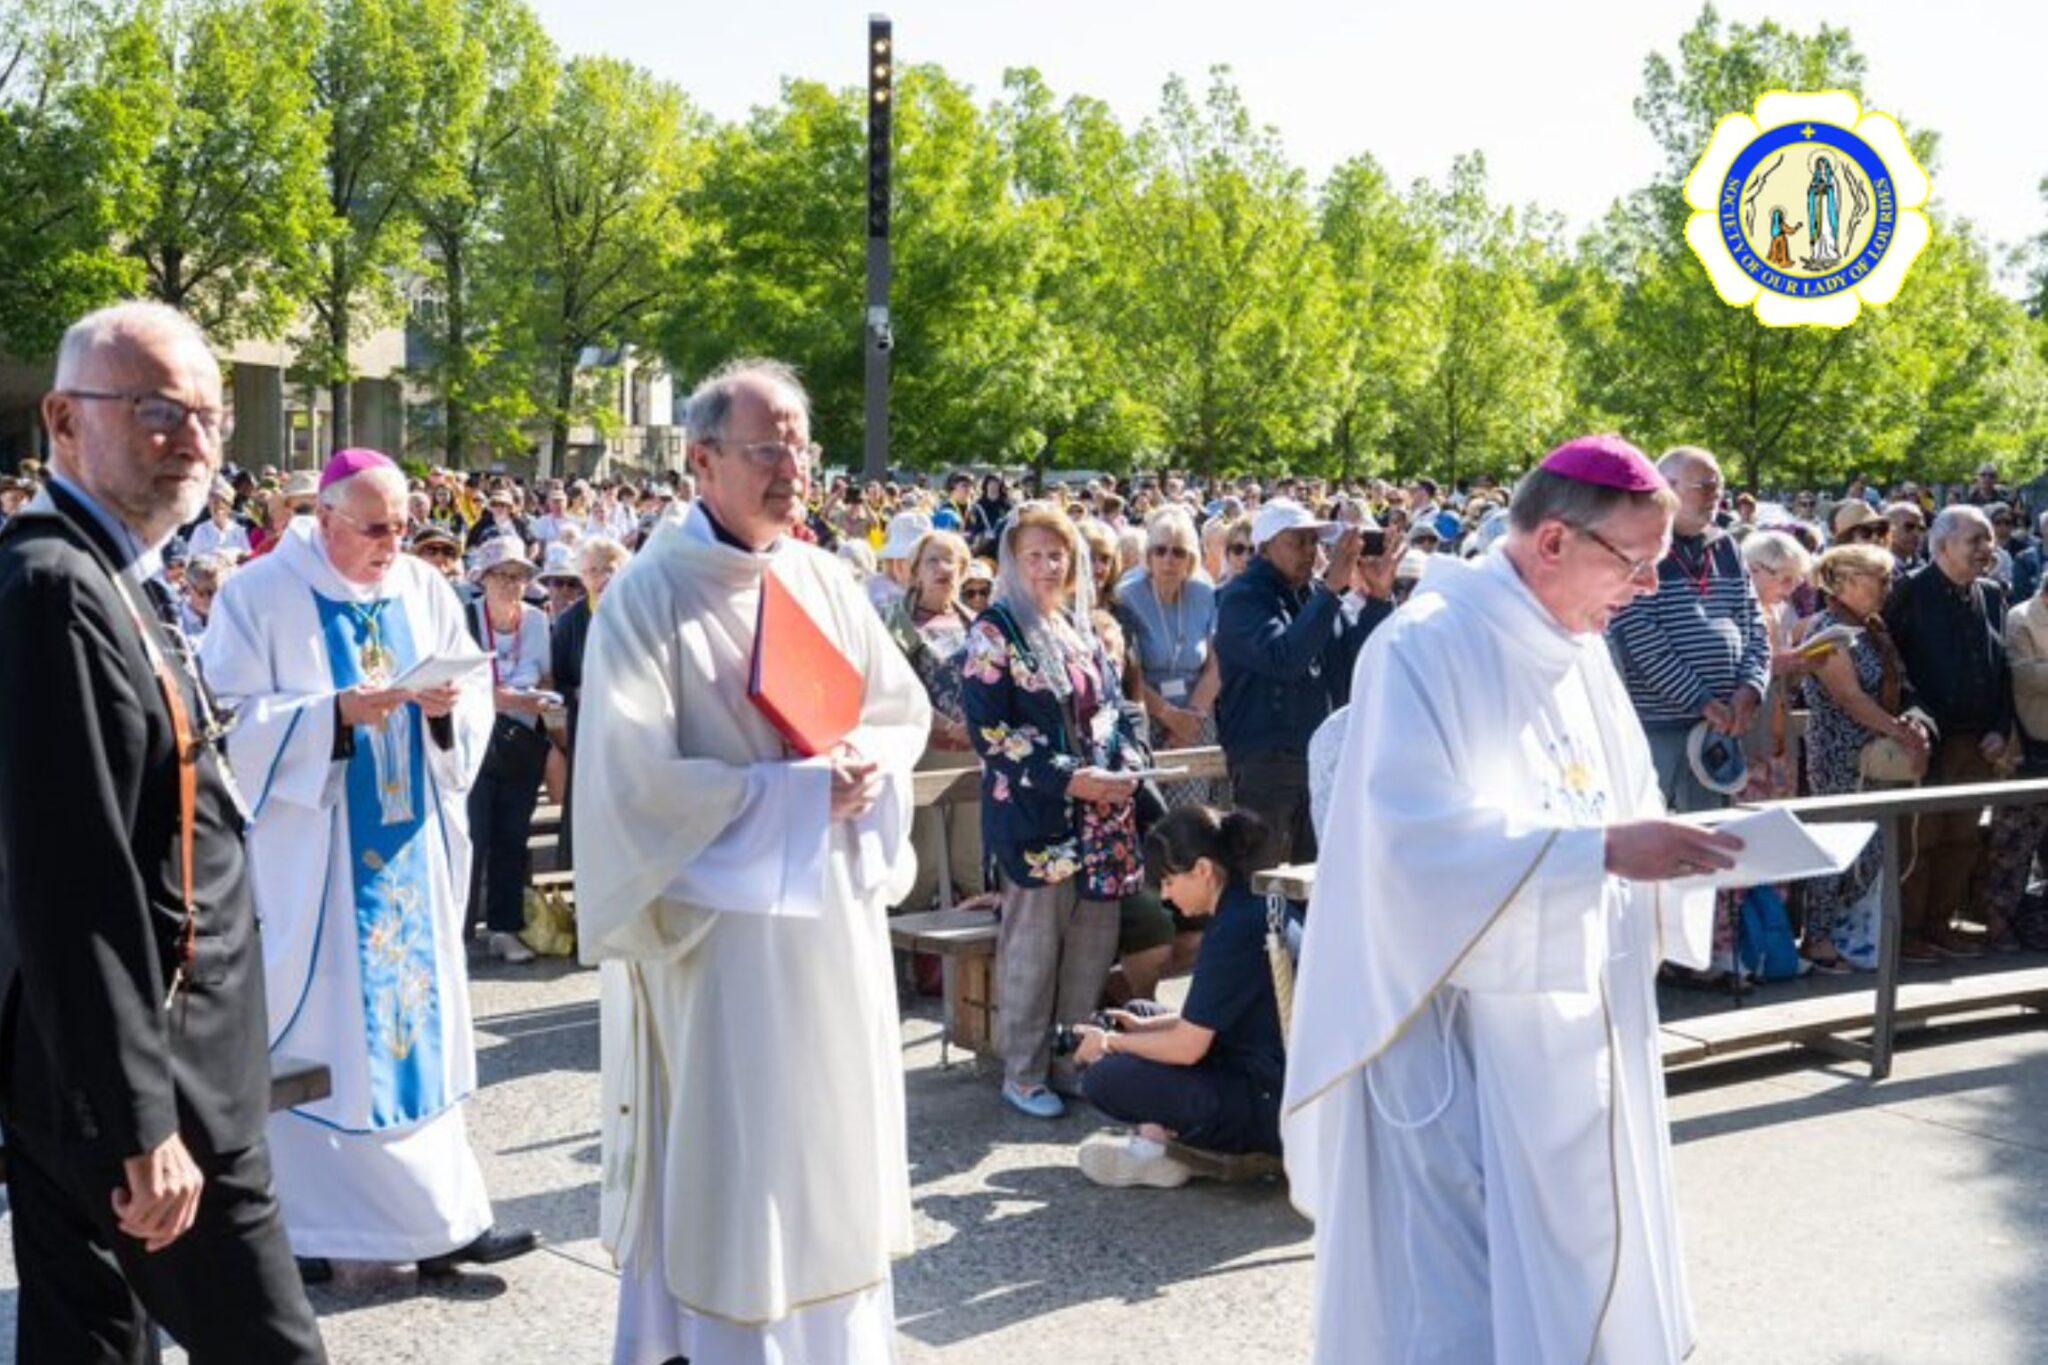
[
  {"x": 1778, "y": 848},
  {"x": 439, "y": 671}
]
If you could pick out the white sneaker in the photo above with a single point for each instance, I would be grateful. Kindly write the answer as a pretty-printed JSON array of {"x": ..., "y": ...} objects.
[
  {"x": 509, "y": 947},
  {"x": 1121, "y": 1161}
]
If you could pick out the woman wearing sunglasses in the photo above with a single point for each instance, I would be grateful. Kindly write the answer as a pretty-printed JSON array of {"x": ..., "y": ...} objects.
[{"x": 1170, "y": 615}]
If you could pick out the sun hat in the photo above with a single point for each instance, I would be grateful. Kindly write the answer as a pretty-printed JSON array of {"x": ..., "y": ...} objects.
[
  {"x": 1717, "y": 759},
  {"x": 500, "y": 552}
]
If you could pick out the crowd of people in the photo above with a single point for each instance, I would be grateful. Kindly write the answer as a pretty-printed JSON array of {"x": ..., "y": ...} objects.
[{"x": 1058, "y": 640}]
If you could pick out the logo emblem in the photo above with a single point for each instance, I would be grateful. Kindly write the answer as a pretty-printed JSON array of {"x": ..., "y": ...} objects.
[{"x": 1808, "y": 210}]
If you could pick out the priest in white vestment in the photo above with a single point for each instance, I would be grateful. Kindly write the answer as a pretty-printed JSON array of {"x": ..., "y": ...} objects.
[
  {"x": 1474, "y": 1109},
  {"x": 755, "y": 1180},
  {"x": 359, "y": 855}
]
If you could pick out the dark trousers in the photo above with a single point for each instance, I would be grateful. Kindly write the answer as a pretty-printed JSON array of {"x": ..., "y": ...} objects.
[
  {"x": 1201, "y": 1105},
  {"x": 500, "y": 865},
  {"x": 1942, "y": 851},
  {"x": 1274, "y": 787},
  {"x": 228, "y": 1290}
]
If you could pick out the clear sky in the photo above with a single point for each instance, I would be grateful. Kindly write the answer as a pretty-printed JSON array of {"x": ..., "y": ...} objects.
[{"x": 1545, "y": 90}]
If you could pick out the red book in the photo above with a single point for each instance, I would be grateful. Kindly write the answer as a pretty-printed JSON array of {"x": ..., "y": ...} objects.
[{"x": 799, "y": 679}]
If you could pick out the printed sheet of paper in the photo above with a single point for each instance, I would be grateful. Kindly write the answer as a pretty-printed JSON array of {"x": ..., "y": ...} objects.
[
  {"x": 439, "y": 671},
  {"x": 1778, "y": 848}
]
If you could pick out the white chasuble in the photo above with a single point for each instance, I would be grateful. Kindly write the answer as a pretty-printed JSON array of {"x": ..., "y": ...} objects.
[
  {"x": 360, "y": 868},
  {"x": 1474, "y": 1110},
  {"x": 755, "y": 1179}
]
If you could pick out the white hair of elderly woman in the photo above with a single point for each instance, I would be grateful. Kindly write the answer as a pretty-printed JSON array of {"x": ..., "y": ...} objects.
[{"x": 1776, "y": 552}]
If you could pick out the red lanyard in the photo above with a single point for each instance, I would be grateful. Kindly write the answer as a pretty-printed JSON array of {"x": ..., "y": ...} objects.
[{"x": 1700, "y": 579}]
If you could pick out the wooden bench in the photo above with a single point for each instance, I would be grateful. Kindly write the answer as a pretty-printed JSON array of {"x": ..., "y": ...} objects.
[
  {"x": 293, "y": 1082},
  {"x": 965, "y": 943}
]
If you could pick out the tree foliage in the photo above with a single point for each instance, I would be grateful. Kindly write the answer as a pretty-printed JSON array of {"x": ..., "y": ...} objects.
[{"x": 1069, "y": 290}]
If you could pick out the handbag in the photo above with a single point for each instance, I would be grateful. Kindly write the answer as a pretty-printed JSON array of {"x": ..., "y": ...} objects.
[{"x": 1887, "y": 761}]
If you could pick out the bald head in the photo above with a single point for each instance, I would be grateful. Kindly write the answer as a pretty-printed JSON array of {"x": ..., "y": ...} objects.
[
  {"x": 103, "y": 346},
  {"x": 135, "y": 418},
  {"x": 1695, "y": 475}
]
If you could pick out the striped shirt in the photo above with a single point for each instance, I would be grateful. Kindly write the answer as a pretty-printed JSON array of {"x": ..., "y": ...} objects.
[{"x": 1697, "y": 638}]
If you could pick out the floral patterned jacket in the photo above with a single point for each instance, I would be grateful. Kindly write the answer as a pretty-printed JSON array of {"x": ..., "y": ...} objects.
[{"x": 1031, "y": 743}]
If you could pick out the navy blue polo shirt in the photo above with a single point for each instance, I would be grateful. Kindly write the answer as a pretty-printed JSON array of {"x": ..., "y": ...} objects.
[{"x": 1232, "y": 993}]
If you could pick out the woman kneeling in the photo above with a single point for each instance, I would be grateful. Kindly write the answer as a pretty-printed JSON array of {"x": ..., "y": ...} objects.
[{"x": 1209, "y": 1076}]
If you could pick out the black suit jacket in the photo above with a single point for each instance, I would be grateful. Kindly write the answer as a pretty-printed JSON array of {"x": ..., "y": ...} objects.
[{"x": 91, "y": 914}]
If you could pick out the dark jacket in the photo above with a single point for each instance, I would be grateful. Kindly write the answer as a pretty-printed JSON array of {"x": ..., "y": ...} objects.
[
  {"x": 566, "y": 644},
  {"x": 1952, "y": 641},
  {"x": 1030, "y": 745},
  {"x": 1285, "y": 655},
  {"x": 91, "y": 913}
]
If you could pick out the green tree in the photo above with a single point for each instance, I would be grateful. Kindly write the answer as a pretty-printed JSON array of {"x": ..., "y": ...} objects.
[
  {"x": 1382, "y": 258},
  {"x": 775, "y": 263},
  {"x": 595, "y": 219},
  {"x": 496, "y": 88},
  {"x": 232, "y": 200},
  {"x": 1679, "y": 365},
  {"x": 372, "y": 83},
  {"x": 73, "y": 137},
  {"x": 1221, "y": 298}
]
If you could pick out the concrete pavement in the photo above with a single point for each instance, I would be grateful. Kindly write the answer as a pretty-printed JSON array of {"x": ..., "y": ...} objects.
[{"x": 1826, "y": 1219}]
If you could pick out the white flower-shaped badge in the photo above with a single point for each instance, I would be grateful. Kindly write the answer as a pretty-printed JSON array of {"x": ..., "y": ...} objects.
[{"x": 1807, "y": 211}]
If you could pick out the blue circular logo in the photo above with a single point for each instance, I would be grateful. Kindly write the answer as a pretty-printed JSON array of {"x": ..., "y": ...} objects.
[{"x": 1807, "y": 210}]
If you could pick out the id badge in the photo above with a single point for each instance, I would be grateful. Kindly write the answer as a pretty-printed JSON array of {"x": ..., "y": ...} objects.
[{"x": 1174, "y": 690}]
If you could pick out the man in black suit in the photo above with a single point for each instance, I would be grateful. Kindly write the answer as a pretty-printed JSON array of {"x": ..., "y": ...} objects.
[{"x": 134, "y": 1075}]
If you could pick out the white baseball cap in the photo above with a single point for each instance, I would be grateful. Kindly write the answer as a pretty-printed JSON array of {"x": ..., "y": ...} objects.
[{"x": 1285, "y": 514}]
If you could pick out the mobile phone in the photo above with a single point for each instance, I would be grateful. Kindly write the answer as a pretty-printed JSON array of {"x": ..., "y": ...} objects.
[{"x": 1372, "y": 543}]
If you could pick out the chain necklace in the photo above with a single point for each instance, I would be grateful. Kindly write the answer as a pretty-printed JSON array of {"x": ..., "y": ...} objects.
[{"x": 373, "y": 656}]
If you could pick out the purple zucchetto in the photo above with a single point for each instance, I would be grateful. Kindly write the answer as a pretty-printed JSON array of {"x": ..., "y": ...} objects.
[
  {"x": 346, "y": 464},
  {"x": 1607, "y": 461}
]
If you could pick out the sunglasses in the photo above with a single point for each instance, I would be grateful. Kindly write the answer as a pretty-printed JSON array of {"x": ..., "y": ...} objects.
[
  {"x": 1171, "y": 551},
  {"x": 1239, "y": 547},
  {"x": 977, "y": 594},
  {"x": 1863, "y": 534}
]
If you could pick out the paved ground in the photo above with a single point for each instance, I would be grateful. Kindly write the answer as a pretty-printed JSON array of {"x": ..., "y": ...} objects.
[{"x": 1826, "y": 1220}]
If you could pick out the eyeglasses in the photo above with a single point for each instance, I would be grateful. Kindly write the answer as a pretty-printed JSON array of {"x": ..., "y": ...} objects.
[
  {"x": 377, "y": 530},
  {"x": 1238, "y": 547},
  {"x": 976, "y": 594},
  {"x": 1637, "y": 568},
  {"x": 1868, "y": 532},
  {"x": 1704, "y": 485},
  {"x": 770, "y": 454},
  {"x": 161, "y": 416},
  {"x": 435, "y": 552},
  {"x": 1171, "y": 551}
]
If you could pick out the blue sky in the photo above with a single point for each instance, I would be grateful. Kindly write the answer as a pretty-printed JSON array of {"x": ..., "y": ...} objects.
[{"x": 1544, "y": 90}]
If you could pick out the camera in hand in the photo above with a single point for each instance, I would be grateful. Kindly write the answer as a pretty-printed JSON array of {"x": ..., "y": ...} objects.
[{"x": 1065, "y": 1039}]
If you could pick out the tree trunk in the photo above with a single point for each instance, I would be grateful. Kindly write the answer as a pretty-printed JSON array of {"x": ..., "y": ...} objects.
[
  {"x": 341, "y": 426},
  {"x": 565, "y": 394},
  {"x": 455, "y": 364}
]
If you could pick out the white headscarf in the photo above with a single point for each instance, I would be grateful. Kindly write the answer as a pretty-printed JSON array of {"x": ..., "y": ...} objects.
[{"x": 1055, "y": 644}]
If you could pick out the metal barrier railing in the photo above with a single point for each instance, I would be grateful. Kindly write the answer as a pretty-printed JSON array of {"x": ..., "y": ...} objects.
[{"x": 1891, "y": 810}]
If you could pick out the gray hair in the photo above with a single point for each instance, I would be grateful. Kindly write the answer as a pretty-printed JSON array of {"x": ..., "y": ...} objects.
[
  {"x": 710, "y": 404},
  {"x": 1543, "y": 496},
  {"x": 208, "y": 571},
  {"x": 1949, "y": 523},
  {"x": 600, "y": 553},
  {"x": 1678, "y": 459},
  {"x": 336, "y": 493},
  {"x": 1776, "y": 552},
  {"x": 103, "y": 329}
]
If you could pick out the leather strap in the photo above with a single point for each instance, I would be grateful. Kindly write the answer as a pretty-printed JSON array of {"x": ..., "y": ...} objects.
[{"x": 187, "y": 745}]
